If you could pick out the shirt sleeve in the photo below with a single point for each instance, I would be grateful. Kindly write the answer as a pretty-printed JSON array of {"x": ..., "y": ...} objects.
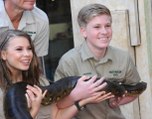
[
  {"x": 132, "y": 75},
  {"x": 41, "y": 41},
  {"x": 66, "y": 67}
]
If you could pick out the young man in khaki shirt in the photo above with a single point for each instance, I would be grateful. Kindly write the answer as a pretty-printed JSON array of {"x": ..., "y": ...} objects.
[{"x": 96, "y": 57}]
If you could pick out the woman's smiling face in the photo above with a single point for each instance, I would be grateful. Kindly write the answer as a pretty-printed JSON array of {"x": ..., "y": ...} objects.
[{"x": 18, "y": 54}]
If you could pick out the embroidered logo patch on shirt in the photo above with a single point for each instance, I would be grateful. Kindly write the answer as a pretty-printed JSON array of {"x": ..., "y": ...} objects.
[
  {"x": 87, "y": 74},
  {"x": 31, "y": 32},
  {"x": 115, "y": 72}
]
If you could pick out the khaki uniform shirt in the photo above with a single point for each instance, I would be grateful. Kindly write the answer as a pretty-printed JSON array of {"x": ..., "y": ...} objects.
[
  {"x": 116, "y": 64},
  {"x": 35, "y": 23}
]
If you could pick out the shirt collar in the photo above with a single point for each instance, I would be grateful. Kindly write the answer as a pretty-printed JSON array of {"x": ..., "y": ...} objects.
[
  {"x": 27, "y": 19},
  {"x": 27, "y": 15},
  {"x": 87, "y": 54}
]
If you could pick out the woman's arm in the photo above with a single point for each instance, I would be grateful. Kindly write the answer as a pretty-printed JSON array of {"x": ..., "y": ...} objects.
[{"x": 71, "y": 111}]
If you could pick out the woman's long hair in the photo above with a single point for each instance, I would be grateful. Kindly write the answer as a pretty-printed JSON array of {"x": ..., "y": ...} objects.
[{"x": 31, "y": 75}]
